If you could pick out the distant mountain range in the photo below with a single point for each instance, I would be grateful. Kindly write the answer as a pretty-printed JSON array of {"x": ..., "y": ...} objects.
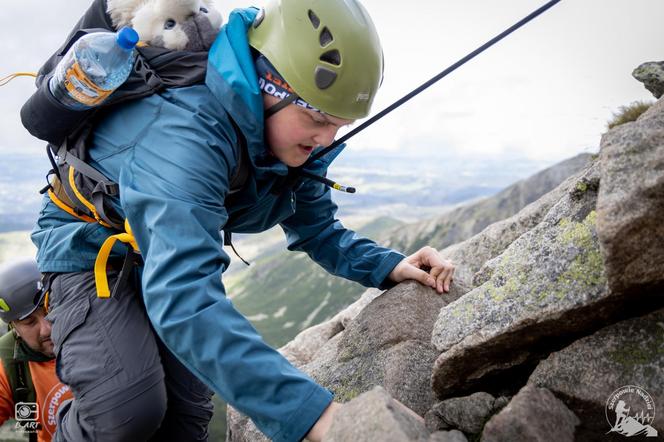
[
  {"x": 468, "y": 220},
  {"x": 398, "y": 184},
  {"x": 21, "y": 178}
]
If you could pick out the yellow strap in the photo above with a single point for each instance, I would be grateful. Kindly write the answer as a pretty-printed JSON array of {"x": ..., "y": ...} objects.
[
  {"x": 8, "y": 78},
  {"x": 46, "y": 302},
  {"x": 101, "y": 279},
  {"x": 58, "y": 202},
  {"x": 81, "y": 198}
]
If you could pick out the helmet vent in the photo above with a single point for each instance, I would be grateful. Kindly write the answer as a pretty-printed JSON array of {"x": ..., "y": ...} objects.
[
  {"x": 325, "y": 37},
  {"x": 332, "y": 57},
  {"x": 314, "y": 19},
  {"x": 324, "y": 77}
]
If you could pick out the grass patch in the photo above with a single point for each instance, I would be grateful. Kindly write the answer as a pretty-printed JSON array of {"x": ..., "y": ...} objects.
[{"x": 628, "y": 113}]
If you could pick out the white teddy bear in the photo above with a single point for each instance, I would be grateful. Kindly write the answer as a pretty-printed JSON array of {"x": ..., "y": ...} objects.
[{"x": 171, "y": 24}]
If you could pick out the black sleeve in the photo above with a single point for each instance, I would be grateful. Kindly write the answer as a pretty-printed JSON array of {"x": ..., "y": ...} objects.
[{"x": 42, "y": 115}]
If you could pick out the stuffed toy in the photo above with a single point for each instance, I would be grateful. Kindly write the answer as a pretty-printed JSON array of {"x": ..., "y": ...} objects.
[{"x": 190, "y": 25}]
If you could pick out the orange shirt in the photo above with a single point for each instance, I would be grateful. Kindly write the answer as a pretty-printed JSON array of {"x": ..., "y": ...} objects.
[{"x": 50, "y": 394}]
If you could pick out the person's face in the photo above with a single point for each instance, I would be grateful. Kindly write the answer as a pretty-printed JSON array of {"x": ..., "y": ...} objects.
[
  {"x": 294, "y": 132},
  {"x": 35, "y": 331}
]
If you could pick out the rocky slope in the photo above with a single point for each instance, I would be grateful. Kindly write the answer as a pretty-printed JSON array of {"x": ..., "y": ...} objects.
[{"x": 553, "y": 330}]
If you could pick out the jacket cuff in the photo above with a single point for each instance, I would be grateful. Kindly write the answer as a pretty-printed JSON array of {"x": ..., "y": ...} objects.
[
  {"x": 380, "y": 275},
  {"x": 306, "y": 416}
]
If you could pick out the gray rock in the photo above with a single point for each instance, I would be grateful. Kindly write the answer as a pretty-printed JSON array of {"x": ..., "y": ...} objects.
[
  {"x": 239, "y": 428},
  {"x": 468, "y": 414},
  {"x": 387, "y": 344},
  {"x": 304, "y": 346},
  {"x": 586, "y": 373},
  {"x": 470, "y": 255},
  {"x": 319, "y": 341},
  {"x": 447, "y": 436},
  {"x": 533, "y": 415},
  {"x": 351, "y": 312},
  {"x": 500, "y": 403},
  {"x": 651, "y": 74},
  {"x": 544, "y": 284},
  {"x": 630, "y": 205},
  {"x": 374, "y": 416}
]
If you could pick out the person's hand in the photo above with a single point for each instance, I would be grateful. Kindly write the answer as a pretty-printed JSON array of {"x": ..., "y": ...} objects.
[
  {"x": 323, "y": 423},
  {"x": 426, "y": 266}
]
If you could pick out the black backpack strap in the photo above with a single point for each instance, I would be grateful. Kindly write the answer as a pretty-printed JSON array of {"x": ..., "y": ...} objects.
[
  {"x": 66, "y": 156},
  {"x": 22, "y": 387},
  {"x": 24, "y": 390},
  {"x": 18, "y": 374},
  {"x": 17, "y": 370},
  {"x": 85, "y": 186}
]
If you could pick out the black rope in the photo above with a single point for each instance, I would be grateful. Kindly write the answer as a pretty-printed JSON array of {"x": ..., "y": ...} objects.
[{"x": 433, "y": 80}]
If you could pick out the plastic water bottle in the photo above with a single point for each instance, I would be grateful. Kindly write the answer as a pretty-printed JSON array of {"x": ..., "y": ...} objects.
[{"x": 96, "y": 65}]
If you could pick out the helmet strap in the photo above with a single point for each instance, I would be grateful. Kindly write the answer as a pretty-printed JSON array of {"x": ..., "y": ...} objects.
[{"x": 280, "y": 105}]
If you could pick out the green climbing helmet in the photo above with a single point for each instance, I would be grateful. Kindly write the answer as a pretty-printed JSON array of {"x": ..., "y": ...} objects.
[
  {"x": 20, "y": 290},
  {"x": 328, "y": 51}
]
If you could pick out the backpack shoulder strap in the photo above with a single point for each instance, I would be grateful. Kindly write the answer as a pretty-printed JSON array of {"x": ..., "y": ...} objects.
[
  {"x": 7, "y": 342},
  {"x": 18, "y": 371}
]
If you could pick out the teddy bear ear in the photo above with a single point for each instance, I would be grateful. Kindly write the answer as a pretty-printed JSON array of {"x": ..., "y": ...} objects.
[
  {"x": 122, "y": 11},
  {"x": 177, "y": 9}
]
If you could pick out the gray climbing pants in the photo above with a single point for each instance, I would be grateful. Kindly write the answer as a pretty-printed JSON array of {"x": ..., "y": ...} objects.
[{"x": 126, "y": 385}]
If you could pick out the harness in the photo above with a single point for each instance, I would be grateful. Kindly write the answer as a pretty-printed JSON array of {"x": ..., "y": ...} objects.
[
  {"x": 83, "y": 192},
  {"x": 18, "y": 372}
]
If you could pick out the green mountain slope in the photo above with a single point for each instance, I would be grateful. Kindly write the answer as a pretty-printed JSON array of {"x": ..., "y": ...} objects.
[{"x": 285, "y": 292}]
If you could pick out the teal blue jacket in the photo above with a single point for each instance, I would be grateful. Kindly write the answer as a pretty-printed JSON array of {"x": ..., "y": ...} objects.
[{"x": 172, "y": 155}]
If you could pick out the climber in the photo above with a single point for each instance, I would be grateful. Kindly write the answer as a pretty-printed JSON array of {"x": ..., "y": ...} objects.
[
  {"x": 30, "y": 391},
  {"x": 280, "y": 83}
]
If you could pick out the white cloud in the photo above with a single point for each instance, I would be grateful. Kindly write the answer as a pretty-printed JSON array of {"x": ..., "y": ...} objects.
[{"x": 545, "y": 92}]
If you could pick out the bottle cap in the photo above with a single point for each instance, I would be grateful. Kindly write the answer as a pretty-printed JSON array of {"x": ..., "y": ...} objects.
[{"x": 127, "y": 38}]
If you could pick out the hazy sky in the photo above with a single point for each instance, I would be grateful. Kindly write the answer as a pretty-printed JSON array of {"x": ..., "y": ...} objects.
[{"x": 545, "y": 92}]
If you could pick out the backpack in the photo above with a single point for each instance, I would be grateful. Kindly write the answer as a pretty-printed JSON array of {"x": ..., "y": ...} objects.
[{"x": 75, "y": 186}]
